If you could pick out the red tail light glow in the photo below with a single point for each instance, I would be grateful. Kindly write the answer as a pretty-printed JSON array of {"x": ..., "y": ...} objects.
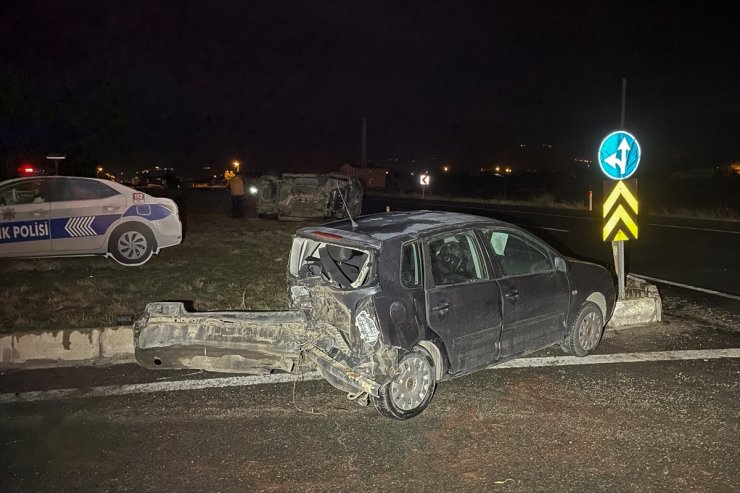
[{"x": 328, "y": 236}]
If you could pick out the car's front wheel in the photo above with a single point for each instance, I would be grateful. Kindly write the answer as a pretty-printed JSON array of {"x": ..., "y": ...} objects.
[
  {"x": 131, "y": 244},
  {"x": 410, "y": 392},
  {"x": 585, "y": 332}
]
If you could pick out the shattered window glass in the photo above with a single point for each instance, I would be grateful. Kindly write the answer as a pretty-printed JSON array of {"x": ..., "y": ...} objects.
[{"x": 340, "y": 265}]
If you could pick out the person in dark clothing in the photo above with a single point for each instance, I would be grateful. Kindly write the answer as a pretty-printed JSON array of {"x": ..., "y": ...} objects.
[{"x": 236, "y": 190}]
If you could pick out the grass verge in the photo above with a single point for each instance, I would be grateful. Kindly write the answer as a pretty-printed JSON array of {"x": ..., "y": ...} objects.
[{"x": 224, "y": 263}]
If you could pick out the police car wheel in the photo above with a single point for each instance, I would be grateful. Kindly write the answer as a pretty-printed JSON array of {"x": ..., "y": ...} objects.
[{"x": 131, "y": 244}]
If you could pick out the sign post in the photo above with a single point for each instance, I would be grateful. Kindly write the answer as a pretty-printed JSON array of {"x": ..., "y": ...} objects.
[
  {"x": 619, "y": 156},
  {"x": 56, "y": 158},
  {"x": 424, "y": 182}
]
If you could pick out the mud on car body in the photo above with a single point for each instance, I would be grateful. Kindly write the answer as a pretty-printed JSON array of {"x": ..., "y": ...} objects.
[{"x": 393, "y": 303}]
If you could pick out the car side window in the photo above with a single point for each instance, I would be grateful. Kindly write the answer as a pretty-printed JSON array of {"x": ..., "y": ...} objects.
[
  {"x": 74, "y": 189},
  {"x": 410, "y": 265},
  {"x": 455, "y": 259},
  {"x": 515, "y": 255},
  {"x": 24, "y": 192}
]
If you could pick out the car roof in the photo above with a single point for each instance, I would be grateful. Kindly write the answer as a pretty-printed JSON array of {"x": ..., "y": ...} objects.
[
  {"x": 119, "y": 187},
  {"x": 406, "y": 224}
]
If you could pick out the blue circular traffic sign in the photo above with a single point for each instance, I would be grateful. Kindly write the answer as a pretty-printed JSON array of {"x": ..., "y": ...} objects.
[{"x": 619, "y": 155}]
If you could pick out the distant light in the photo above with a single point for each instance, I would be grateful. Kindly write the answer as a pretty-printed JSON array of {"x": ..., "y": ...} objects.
[
  {"x": 253, "y": 190},
  {"x": 27, "y": 169},
  {"x": 446, "y": 169},
  {"x": 497, "y": 168},
  {"x": 100, "y": 168},
  {"x": 508, "y": 170}
]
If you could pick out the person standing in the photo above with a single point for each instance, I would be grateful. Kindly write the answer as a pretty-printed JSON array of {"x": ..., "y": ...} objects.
[{"x": 236, "y": 190}]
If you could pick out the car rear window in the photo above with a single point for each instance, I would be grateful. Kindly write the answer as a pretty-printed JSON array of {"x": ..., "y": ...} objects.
[{"x": 341, "y": 265}]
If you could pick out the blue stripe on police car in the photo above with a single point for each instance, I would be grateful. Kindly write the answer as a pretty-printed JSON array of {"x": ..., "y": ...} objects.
[
  {"x": 78, "y": 227},
  {"x": 24, "y": 231}
]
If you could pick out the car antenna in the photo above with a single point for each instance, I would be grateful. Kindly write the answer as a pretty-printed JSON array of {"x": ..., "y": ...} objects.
[{"x": 354, "y": 224}]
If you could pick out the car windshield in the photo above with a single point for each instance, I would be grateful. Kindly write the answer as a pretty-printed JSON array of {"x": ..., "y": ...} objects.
[{"x": 343, "y": 266}]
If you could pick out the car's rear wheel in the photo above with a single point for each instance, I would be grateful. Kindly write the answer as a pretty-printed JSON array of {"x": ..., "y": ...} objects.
[
  {"x": 585, "y": 332},
  {"x": 131, "y": 244},
  {"x": 411, "y": 391}
]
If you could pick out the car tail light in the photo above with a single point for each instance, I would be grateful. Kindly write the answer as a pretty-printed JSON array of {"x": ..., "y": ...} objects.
[{"x": 328, "y": 236}]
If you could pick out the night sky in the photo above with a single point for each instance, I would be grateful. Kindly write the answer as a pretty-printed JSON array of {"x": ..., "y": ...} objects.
[{"x": 283, "y": 85}]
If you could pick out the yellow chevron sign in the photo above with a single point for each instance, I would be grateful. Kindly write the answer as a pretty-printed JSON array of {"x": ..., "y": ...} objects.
[{"x": 620, "y": 210}]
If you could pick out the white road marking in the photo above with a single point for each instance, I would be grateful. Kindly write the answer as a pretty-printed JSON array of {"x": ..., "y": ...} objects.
[
  {"x": 208, "y": 383},
  {"x": 695, "y": 288},
  {"x": 600, "y": 359},
  {"x": 552, "y": 229},
  {"x": 697, "y": 229}
]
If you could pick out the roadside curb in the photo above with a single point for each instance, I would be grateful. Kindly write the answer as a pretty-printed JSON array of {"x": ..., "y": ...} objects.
[
  {"x": 114, "y": 345},
  {"x": 44, "y": 349}
]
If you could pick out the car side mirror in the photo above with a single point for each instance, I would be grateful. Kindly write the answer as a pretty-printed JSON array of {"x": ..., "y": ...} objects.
[{"x": 560, "y": 264}]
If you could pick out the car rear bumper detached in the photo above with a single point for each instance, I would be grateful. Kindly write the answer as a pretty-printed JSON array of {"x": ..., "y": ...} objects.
[{"x": 168, "y": 336}]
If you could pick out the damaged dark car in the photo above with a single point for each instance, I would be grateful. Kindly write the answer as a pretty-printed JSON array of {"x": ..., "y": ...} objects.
[{"x": 387, "y": 306}]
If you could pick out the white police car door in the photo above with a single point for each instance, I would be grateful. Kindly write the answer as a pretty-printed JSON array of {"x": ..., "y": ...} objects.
[
  {"x": 24, "y": 219},
  {"x": 82, "y": 215}
]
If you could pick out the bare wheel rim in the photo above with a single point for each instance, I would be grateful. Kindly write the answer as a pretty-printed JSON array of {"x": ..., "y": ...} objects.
[
  {"x": 589, "y": 331},
  {"x": 132, "y": 245},
  {"x": 413, "y": 384}
]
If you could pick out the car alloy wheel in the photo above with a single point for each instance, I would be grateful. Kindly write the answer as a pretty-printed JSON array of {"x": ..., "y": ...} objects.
[
  {"x": 589, "y": 330},
  {"x": 132, "y": 245},
  {"x": 410, "y": 392},
  {"x": 413, "y": 384},
  {"x": 585, "y": 331}
]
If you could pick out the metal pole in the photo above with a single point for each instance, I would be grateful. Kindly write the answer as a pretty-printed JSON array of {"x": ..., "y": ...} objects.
[
  {"x": 364, "y": 143},
  {"x": 620, "y": 244}
]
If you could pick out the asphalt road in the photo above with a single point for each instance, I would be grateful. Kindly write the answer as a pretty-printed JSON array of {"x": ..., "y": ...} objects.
[
  {"x": 701, "y": 253},
  {"x": 653, "y": 425}
]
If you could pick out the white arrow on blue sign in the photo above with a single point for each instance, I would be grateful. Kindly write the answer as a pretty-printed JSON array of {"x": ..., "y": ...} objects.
[{"x": 619, "y": 155}]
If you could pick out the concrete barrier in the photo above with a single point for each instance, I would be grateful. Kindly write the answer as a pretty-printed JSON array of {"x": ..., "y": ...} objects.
[
  {"x": 45, "y": 349},
  {"x": 643, "y": 306}
]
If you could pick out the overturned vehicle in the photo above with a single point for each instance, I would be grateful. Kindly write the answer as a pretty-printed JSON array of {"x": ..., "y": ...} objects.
[
  {"x": 389, "y": 305},
  {"x": 301, "y": 196}
]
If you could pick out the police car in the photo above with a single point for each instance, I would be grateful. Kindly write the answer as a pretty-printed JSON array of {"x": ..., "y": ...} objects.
[{"x": 53, "y": 216}]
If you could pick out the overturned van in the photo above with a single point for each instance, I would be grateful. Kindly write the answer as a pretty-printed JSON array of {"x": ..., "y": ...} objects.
[
  {"x": 389, "y": 305},
  {"x": 309, "y": 196}
]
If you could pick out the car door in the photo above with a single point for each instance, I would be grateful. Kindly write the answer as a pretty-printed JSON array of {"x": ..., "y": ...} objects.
[
  {"x": 534, "y": 294},
  {"x": 81, "y": 216},
  {"x": 24, "y": 219},
  {"x": 463, "y": 302}
]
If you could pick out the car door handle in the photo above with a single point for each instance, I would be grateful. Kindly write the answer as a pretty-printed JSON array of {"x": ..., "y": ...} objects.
[
  {"x": 111, "y": 208},
  {"x": 512, "y": 295},
  {"x": 441, "y": 308}
]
